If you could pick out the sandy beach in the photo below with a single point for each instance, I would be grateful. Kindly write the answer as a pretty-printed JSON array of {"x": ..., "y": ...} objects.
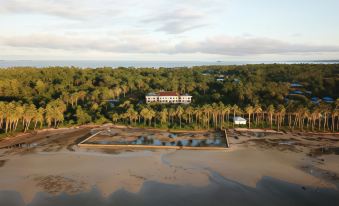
[{"x": 49, "y": 164}]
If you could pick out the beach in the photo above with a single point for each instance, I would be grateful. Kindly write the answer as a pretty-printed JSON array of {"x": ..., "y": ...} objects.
[{"x": 260, "y": 167}]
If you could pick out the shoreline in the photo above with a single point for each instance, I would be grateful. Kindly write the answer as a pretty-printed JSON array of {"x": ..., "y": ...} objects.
[{"x": 6, "y": 140}]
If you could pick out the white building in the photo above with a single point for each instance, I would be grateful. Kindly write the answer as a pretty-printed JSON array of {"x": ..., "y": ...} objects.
[
  {"x": 168, "y": 98},
  {"x": 239, "y": 121}
]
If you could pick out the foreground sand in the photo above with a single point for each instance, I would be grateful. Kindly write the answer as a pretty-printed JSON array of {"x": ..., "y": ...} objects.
[{"x": 55, "y": 164}]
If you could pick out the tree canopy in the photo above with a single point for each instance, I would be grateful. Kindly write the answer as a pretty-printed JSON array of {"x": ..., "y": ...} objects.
[{"x": 68, "y": 95}]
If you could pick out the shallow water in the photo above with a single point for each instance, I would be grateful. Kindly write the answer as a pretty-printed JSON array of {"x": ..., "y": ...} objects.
[
  {"x": 325, "y": 151},
  {"x": 220, "y": 191},
  {"x": 217, "y": 141}
]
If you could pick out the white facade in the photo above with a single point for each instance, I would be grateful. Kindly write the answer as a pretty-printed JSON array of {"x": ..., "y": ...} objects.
[
  {"x": 240, "y": 121},
  {"x": 168, "y": 98}
]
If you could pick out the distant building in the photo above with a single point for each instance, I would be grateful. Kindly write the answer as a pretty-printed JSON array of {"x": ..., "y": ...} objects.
[
  {"x": 315, "y": 100},
  {"x": 168, "y": 98},
  {"x": 297, "y": 92},
  {"x": 239, "y": 121},
  {"x": 328, "y": 99},
  {"x": 296, "y": 84},
  {"x": 237, "y": 81}
]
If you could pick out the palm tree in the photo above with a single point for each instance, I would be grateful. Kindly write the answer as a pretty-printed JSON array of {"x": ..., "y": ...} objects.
[
  {"x": 222, "y": 114},
  {"x": 227, "y": 110},
  {"x": 215, "y": 114},
  {"x": 189, "y": 112},
  {"x": 54, "y": 112},
  {"x": 39, "y": 117},
  {"x": 270, "y": 112},
  {"x": 124, "y": 89},
  {"x": 334, "y": 115},
  {"x": 235, "y": 110},
  {"x": 115, "y": 117},
  {"x": 151, "y": 115},
  {"x": 144, "y": 114},
  {"x": 281, "y": 111},
  {"x": 249, "y": 110},
  {"x": 325, "y": 110},
  {"x": 179, "y": 112},
  {"x": 257, "y": 111},
  {"x": 198, "y": 112},
  {"x": 9, "y": 115},
  {"x": 2, "y": 113},
  {"x": 163, "y": 116},
  {"x": 117, "y": 92},
  {"x": 131, "y": 114},
  {"x": 207, "y": 109},
  {"x": 28, "y": 115}
]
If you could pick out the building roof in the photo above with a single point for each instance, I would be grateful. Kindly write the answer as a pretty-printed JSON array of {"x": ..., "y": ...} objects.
[
  {"x": 151, "y": 94},
  {"x": 239, "y": 119},
  {"x": 168, "y": 94},
  {"x": 296, "y": 84}
]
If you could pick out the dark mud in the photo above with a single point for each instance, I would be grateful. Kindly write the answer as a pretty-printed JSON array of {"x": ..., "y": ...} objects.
[{"x": 223, "y": 192}]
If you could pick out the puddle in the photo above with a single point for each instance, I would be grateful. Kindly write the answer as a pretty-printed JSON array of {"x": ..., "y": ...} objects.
[
  {"x": 152, "y": 141},
  {"x": 173, "y": 139},
  {"x": 324, "y": 151},
  {"x": 287, "y": 142},
  {"x": 2, "y": 162}
]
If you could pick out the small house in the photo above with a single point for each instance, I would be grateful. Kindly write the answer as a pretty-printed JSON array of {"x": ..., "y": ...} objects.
[{"x": 239, "y": 121}]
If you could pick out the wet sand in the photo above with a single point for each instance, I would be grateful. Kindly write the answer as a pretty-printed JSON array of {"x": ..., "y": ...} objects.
[{"x": 259, "y": 169}]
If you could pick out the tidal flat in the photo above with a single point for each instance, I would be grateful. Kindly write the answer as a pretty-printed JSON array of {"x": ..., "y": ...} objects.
[{"x": 261, "y": 168}]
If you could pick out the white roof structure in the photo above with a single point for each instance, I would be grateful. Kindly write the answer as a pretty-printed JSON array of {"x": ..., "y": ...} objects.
[{"x": 239, "y": 120}]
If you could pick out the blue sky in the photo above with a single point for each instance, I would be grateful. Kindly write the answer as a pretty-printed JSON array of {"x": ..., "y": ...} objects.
[{"x": 169, "y": 29}]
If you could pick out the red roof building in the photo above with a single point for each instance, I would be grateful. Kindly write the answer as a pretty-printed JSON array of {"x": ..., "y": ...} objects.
[{"x": 168, "y": 97}]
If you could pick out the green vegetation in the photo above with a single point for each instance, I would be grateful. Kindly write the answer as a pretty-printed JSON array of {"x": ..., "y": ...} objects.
[{"x": 33, "y": 98}]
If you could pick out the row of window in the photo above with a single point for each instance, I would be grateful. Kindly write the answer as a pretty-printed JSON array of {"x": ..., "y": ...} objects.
[
  {"x": 155, "y": 98},
  {"x": 170, "y": 101}
]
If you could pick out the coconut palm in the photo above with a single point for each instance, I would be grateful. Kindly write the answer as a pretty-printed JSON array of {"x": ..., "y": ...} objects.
[
  {"x": 115, "y": 117},
  {"x": 28, "y": 115},
  {"x": 270, "y": 112},
  {"x": 235, "y": 110},
  {"x": 189, "y": 112},
  {"x": 257, "y": 111},
  {"x": 249, "y": 110},
  {"x": 171, "y": 114},
  {"x": 2, "y": 113},
  {"x": 144, "y": 114},
  {"x": 198, "y": 113},
  {"x": 281, "y": 111},
  {"x": 215, "y": 113},
  {"x": 179, "y": 112},
  {"x": 163, "y": 116},
  {"x": 39, "y": 117}
]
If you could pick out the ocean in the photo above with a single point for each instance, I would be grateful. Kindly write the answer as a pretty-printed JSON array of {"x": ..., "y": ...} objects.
[{"x": 139, "y": 64}]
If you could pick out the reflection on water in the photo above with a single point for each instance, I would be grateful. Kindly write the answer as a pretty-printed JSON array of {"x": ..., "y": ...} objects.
[
  {"x": 269, "y": 191},
  {"x": 216, "y": 141}
]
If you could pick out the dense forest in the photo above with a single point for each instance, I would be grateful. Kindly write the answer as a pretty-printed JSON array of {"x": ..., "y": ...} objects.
[{"x": 280, "y": 96}]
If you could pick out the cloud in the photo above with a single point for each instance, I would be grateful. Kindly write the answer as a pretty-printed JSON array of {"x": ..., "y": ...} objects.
[
  {"x": 125, "y": 44},
  {"x": 178, "y": 20},
  {"x": 221, "y": 45},
  {"x": 241, "y": 46},
  {"x": 73, "y": 9},
  {"x": 171, "y": 17}
]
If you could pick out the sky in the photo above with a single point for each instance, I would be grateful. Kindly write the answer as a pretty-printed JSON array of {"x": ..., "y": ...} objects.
[{"x": 194, "y": 30}]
